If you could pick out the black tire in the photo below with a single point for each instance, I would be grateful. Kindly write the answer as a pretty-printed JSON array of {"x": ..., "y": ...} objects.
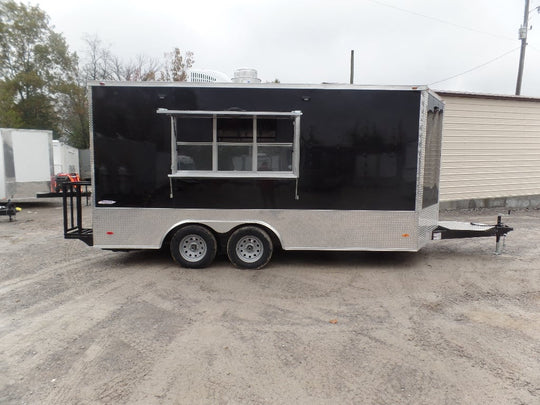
[
  {"x": 249, "y": 247},
  {"x": 194, "y": 247}
]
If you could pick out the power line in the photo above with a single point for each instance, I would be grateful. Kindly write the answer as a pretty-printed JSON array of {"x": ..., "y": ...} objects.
[
  {"x": 441, "y": 20},
  {"x": 476, "y": 67}
]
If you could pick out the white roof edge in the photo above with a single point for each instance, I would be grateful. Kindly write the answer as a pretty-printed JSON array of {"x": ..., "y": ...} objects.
[{"x": 330, "y": 86}]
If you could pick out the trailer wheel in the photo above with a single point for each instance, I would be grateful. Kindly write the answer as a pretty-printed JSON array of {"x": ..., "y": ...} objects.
[
  {"x": 249, "y": 247},
  {"x": 193, "y": 247}
]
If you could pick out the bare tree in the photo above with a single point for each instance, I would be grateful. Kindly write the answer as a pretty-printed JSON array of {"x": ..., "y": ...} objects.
[
  {"x": 142, "y": 69},
  {"x": 118, "y": 68},
  {"x": 99, "y": 62}
]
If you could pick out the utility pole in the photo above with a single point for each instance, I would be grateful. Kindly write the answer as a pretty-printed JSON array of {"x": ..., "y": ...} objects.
[
  {"x": 523, "y": 36},
  {"x": 352, "y": 66}
]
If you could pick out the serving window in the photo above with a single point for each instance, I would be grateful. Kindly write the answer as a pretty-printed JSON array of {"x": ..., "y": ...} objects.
[{"x": 234, "y": 143}]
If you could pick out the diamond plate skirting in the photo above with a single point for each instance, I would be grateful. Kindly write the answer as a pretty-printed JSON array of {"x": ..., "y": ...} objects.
[
  {"x": 427, "y": 221},
  {"x": 146, "y": 228}
]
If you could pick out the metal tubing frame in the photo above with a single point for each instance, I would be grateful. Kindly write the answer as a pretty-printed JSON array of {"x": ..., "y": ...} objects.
[
  {"x": 254, "y": 166},
  {"x": 73, "y": 226},
  {"x": 174, "y": 155}
]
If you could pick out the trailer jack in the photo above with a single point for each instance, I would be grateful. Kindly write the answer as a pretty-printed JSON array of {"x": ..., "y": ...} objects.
[
  {"x": 459, "y": 230},
  {"x": 9, "y": 209}
]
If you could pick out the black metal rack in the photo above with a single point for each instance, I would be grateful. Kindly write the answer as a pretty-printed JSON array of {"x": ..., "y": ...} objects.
[{"x": 72, "y": 194}]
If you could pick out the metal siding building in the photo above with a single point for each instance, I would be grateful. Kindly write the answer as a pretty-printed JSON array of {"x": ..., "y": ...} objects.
[{"x": 491, "y": 147}]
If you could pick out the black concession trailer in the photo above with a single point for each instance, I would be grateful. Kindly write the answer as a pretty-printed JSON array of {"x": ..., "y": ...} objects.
[{"x": 241, "y": 169}]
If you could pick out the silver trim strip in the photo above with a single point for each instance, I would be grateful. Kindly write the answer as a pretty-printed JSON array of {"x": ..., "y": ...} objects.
[
  {"x": 254, "y": 152},
  {"x": 214, "y": 146},
  {"x": 225, "y": 113},
  {"x": 263, "y": 144},
  {"x": 296, "y": 150},
  {"x": 135, "y": 247},
  {"x": 91, "y": 146},
  {"x": 238, "y": 174},
  {"x": 250, "y": 210},
  {"x": 174, "y": 153},
  {"x": 327, "y": 86}
]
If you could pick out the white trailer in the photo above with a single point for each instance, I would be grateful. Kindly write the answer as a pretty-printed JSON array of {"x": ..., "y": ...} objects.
[
  {"x": 26, "y": 163},
  {"x": 66, "y": 158},
  {"x": 84, "y": 164}
]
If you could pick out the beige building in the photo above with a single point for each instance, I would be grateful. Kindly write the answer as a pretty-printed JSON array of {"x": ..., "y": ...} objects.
[{"x": 490, "y": 150}]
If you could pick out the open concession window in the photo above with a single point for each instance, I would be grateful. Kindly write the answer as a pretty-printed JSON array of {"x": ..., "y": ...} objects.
[{"x": 261, "y": 144}]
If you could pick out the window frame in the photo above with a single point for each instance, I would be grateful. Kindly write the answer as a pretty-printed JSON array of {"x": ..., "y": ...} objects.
[{"x": 215, "y": 172}]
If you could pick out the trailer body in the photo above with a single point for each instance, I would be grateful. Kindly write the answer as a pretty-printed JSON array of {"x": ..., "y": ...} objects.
[
  {"x": 329, "y": 167},
  {"x": 26, "y": 163},
  {"x": 66, "y": 158}
]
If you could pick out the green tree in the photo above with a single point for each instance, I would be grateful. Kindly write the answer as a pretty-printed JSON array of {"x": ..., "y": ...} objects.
[
  {"x": 176, "y": 66},
  {"x": 36, "y": 68},
  {"x": 72, "y": 107}
]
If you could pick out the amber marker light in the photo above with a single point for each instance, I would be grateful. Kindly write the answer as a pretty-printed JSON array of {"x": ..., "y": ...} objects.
[{"x": 405, "y": 235}]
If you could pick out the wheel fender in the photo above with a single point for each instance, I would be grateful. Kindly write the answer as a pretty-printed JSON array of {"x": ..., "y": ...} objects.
[{"x": 221, "y": 227}]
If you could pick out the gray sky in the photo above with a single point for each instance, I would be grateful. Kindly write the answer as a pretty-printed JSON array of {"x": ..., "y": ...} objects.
[{"x": 395, "y": 41}]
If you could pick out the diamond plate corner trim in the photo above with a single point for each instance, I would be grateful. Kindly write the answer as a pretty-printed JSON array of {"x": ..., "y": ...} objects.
[
  {"x": 91, "y": 146},
  {"x": 428, "y": 219},
  {"x": 422, "y": 133}
]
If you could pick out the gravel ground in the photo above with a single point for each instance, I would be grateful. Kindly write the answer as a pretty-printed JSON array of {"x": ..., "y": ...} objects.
[{"x": 451, "y": 324}]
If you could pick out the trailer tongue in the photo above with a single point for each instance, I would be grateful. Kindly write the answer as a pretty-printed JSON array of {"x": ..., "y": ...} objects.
[
  {"x": 9, "y": 209},
  {"x": 460, "y": 230}
]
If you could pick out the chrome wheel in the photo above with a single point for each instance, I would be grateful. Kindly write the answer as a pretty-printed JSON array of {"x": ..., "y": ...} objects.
[
  {"x": 250, "y": 249},
  {"x": 193, "y": 248}
]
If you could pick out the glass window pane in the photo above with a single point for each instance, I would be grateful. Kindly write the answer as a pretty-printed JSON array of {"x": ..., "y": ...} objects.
[
  {"x": 234, "y": 158},
  {"x": 194, "y": 129},
  {"x": 235, "y": 129},
  {"x": 194, "y": 157},
  {"x": 274, "y": 158},
  {"x": 275, "y": 130},
  {"x": 266, "y": 129}
]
